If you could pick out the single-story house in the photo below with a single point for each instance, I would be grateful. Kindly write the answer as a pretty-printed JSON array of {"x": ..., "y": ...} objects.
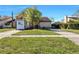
[
  {"x": 45, "y": 22},
  {"x": 7, "y": 22},
  {"x": 21, "y": 23}
]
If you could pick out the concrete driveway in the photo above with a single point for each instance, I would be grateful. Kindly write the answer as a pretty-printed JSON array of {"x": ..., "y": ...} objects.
[
  {"x": 8, "y": 33},
  {"x": 71, "y": 36}
]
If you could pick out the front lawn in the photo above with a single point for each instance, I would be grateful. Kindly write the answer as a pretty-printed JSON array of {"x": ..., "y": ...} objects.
[
  {"x": 72, "y": 30},
  {"x": 36, "y": 32},
  {"x": 37, "y": 45}
]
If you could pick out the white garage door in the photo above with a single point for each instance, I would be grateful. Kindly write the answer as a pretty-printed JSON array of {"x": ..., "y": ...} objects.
[{"x": 20, "y": 24}]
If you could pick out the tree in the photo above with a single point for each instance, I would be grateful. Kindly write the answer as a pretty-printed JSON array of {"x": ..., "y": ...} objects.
[{"x": 31, "y": 15}]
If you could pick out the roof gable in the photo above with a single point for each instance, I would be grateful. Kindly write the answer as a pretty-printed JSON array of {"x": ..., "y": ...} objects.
[{"x": 45, "y": 19}]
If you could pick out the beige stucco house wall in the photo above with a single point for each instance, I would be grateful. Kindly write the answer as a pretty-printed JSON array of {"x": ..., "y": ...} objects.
[{"x": 45, "y": 24}]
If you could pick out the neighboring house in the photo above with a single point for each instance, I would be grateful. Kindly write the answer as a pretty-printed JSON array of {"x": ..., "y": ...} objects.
[
  {"x": 68, "y": 18},
  {"x": 45, "y": 22},
  {"x": 7, "y": 22}
]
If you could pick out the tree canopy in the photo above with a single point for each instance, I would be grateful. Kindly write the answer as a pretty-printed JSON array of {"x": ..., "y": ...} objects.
[{"x": 31, "y": 15}]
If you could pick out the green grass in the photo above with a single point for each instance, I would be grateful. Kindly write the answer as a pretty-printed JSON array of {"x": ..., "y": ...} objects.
[
  {"x": 72, "y": 30},
  {"x": 37, "y": 46},
  {"x": 5, "y": 29},
  {"x": 36, "y": 32}
]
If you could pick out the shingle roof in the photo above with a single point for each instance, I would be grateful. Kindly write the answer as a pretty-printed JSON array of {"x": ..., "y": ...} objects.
[
  {"x": 45, "y": 19},
  {"x": 5, "y": 21}
]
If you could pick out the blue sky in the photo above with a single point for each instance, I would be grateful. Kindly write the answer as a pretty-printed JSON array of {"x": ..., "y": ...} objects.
[{"x": 52, "y": 11}]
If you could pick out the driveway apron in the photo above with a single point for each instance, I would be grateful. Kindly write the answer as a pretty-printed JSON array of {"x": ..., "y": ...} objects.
[{"x": 71, "y": 36}]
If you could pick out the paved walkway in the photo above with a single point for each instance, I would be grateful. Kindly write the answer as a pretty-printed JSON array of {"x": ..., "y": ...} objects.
[
  {"x": 36, "y": 36},
  {"x": 8, "y": 33},
  {"x": 71, "y": 36}
]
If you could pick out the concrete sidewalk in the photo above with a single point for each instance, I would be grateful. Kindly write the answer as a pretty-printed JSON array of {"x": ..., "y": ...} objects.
[
  {"x": 71, "y": 36},
  {"x": 36, "y": 36}
]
